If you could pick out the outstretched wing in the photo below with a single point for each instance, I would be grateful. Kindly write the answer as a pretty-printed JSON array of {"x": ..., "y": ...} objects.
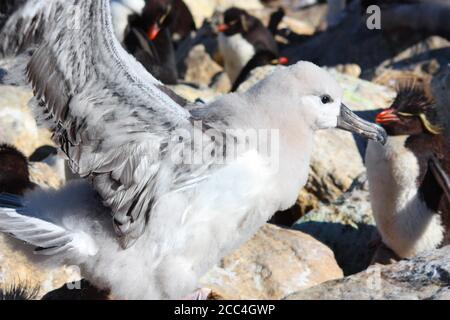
[
  {"x": 24, "y": 22},
  {"x": 110, "y": 117},
  {"x": 48, "y": 238}
]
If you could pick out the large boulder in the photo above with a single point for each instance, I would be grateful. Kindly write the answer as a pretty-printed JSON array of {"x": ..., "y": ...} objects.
[
  {"x": 347, "y": 227},
  {"x": 422, "y": 278},
  {"x": 275, "y": 263}
]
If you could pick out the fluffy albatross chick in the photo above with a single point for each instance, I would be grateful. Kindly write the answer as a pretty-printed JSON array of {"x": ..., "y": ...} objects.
[
  {"x": 157, "y": 209},
  {"x": 408, "y": 177}
]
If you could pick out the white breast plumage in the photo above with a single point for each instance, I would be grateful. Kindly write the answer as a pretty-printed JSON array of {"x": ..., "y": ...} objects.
[
  {"x": 236, "y": 51},
  {"x": 405, "y": 223}
]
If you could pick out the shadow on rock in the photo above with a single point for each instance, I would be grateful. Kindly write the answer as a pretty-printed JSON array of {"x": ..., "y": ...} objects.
[{"x": 351, "y": 246}]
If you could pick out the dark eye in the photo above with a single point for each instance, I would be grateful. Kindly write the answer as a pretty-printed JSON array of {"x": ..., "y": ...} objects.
[{"x": 326, "y": 99}]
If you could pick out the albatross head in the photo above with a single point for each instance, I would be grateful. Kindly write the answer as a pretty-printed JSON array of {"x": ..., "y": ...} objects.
[{"x": 314, "y": 97}]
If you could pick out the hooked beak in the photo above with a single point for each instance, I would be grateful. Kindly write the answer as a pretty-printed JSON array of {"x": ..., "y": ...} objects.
[
  {"x": 153, "y": 31},
  {"x": 222, "y": 27},
  {"x": 349, "y": 121},
  {"x": 386, "y": 116}
]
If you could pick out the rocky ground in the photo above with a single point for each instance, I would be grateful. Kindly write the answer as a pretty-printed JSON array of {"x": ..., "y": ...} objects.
[{"x": 323, "y": 251}]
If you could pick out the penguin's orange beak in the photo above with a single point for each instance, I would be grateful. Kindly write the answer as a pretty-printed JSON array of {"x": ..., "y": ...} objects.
[
  {"x": 153, "y": 31},
  {"x": 386, "y": 116},
  {"x": 222, "y": 27},
  {"x": 283, "y": 61}
]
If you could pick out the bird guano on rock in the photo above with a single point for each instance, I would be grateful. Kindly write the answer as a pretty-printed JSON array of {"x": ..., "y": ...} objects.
[{"x": 140, "y": 224}]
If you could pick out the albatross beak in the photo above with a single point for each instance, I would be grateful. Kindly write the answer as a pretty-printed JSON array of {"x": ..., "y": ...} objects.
[{"x": 349, "y": 121}]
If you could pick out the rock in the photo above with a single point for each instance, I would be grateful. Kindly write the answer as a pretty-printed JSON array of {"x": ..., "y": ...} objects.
[
  {"x": 441, "y": 93},
  {"x": 44, "y": 176},
  {"x": 204, "y": 9},
  {"x": 347, "y": 227},
  {"x": 297, "y": 26},
  {"x": 17, "y": 124},
  {"x": 275, "y": 263},
  {"x": 221, "y": 83},
  {"x": 200, "y": 68},
  {"x": 16, "y": 268},
  {"x": 424, "y": 277},
  {"x": 394, "y": 78},
  {"x": 374, "y": 47},
  {"x": 257, "y": 75},
  {"x": 192, "y": 94},
  {"x": 422, "y": 59},
  {"x": 351, "y": 69}
]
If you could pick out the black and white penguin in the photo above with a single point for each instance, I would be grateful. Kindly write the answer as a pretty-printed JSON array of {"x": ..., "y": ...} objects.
[
  {"x": 408, "y": 177},
  {"x": 150, "y": 30},
  {"x": 14, "y": 174},
  {"x": 172, "y": 14},
  {"x": 241, "y": 36}
]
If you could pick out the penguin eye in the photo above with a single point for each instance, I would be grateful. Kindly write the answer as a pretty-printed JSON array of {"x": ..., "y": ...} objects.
[{"x": 326, "y": 99}]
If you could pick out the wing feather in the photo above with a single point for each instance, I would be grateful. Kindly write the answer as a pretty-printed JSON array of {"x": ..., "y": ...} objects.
[
  {"x": 48, "y": 238},
  {"x": 111, "y": 118}
]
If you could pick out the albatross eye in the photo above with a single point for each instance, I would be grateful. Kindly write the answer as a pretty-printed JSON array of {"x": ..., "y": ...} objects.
[{"x": 326, "y": 99}]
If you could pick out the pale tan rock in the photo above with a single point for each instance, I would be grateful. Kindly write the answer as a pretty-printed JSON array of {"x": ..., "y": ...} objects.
[
  {"x": 44, "y": 176},
  {"x": 192, "y": 94},
  {"x": 275, "y": 262},
  {"x": 17, "y": 124},
  {"x": 221, "y": 83},
  {"x": 16, "y": 268},
  {"x": 297, "y": 26},
  {"x": 204, "y": 9},
  {"x": 257, "y": 75},
  {"x": 200, "y": 67},
  {"x": 351, "y": 69}
]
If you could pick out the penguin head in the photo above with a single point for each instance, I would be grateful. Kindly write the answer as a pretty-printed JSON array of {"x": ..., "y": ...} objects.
[
  {"x": 157, "y": 15},
  {"x": 237, "y": 21},
  {"x": 411, "y": 113}
]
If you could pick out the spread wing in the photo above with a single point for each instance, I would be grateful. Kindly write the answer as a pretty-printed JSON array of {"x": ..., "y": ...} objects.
[
  {"x": 24, "y": 22},
  {"x": 110, "y": 117},
  {"x": 49, "y": 238}
]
